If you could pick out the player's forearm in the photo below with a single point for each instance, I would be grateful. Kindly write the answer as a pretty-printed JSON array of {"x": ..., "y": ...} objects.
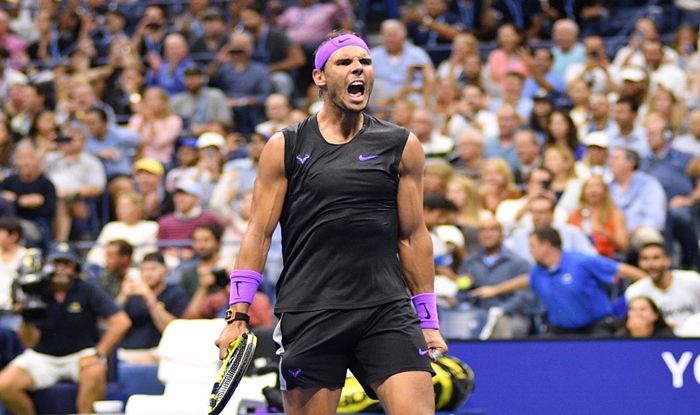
[{"x": 416, "y": 254}]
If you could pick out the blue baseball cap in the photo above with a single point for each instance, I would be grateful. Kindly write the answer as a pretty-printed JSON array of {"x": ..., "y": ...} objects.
[{"x": 61, "y": 250}]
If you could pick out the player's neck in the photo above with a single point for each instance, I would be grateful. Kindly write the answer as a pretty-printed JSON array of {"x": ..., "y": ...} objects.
[{"x": 338, "y": 126}]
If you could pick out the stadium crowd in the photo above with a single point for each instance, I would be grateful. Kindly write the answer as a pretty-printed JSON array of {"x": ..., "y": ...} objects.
[{"x": 562, "y": 160}]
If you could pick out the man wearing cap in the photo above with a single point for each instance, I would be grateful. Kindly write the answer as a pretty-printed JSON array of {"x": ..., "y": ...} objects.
[
  {"x": 66, "y": 345},
  {"x": 595, "y": 160},
  {"x": 151, "y": 304},
  {"x": 148, "y": 178},
  {"x": 344, "y": 181},
  {"x": 211, "y": 148},
  {"x": 199, "y": 104}
]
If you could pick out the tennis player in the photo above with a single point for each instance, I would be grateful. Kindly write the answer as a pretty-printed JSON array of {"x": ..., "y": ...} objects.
[{"x": 357, "y": 286}]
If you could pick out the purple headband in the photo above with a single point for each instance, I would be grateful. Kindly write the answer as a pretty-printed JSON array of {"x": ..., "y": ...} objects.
[{"x": 326, "y": 50}]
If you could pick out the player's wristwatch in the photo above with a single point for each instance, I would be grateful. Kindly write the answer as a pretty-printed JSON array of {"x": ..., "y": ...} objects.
[{"x": 233, "y": 315}]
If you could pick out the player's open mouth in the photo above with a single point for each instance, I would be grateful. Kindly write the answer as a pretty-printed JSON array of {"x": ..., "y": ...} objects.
[{"x": 356, "y": 89}]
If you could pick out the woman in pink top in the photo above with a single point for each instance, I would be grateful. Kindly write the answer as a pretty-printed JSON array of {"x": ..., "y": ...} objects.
[
  {"x": 507, "y": 57},
  {"x": 157, "y": 126}
]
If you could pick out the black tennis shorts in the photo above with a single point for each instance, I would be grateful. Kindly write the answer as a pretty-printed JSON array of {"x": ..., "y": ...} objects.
[{"x": 317, "y": 348}]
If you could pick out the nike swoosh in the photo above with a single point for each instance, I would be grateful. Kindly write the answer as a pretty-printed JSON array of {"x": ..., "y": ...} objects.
[
  {"x": 343, "y": 40},
  {"x": 423, "y": 352},
  {"x": 368, "y": 157},
  {"x": 427, "y": 313}
]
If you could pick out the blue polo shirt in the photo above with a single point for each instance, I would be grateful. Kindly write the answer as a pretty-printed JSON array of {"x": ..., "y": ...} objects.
[
  {"x": 143, "y": 333},
  {"x": 574, "y": 293},
  {"x": 71, "y": 325}
]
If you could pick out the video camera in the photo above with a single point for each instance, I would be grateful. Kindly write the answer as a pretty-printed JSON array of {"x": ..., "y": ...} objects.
[{"x": 31, "y": 287}]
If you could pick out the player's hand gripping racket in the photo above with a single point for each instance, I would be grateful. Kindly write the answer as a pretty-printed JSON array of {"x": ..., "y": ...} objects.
[{"x": 235, "y": 364}]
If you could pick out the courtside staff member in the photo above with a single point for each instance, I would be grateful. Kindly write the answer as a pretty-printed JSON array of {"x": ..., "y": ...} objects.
[{"x": 347, "y": 191}]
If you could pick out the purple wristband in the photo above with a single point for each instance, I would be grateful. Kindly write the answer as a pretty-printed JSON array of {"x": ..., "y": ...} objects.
[
  {"x": 426, "y": 307},
  {"x": 244, "y": 285}
]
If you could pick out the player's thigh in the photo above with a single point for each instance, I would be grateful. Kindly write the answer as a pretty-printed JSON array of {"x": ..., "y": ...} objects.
[
  {"x": 317, "y": 401},
  {"x": 393, "y": 390}
]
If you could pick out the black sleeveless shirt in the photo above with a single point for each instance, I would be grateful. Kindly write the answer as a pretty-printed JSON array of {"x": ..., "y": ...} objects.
[{"x": 340, "y": 220}]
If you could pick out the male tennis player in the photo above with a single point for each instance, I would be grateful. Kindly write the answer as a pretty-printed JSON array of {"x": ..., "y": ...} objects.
[{"x": 347, "y": 190}]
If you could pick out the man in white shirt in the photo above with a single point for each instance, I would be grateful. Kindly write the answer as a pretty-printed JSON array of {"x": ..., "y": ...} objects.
[{"x": 675, "y": 292}]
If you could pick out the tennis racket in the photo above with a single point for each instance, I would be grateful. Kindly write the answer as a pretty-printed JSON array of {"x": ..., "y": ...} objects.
[{"x": 235, "y": 364}]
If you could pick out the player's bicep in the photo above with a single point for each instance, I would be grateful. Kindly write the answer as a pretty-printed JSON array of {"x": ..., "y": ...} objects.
[
  {"x": 410, "y": 192},
  {"x": 270, "y": 187}
]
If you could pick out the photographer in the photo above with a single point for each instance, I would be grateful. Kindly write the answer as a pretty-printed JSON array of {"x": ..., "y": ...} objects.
[
  {"x": 151, "y": 304},
  {"x": 66, "y": 344}
]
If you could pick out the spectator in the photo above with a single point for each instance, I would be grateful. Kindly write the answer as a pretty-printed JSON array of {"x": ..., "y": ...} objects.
[
  {"x": 595, "y": 160},
  {"x": 506, "y": 58},
  {"x": 541, "y": 210},
  {"x": 529, "y": 157},
  {"x": 452, "y": 68},
  {"x": 491, "y": 265},
  {"x": 579, "y": 92},
  {"x": 662, "y": 102},
  {"x": 31, "y": 192},
  {"x": 596, "y": 70},
  {"x": 148, "y": 180},
  {"x": 11, "y": 254},
  {"x": 151, "y": 304},
  {"x": 464, "y": 194},
  {"x": 542, "y": 108},
  {"x": 199, "y": 105},
  {"x": 126, "y": 84},
  {"x": 472, "y": 111},
  {"x": 632, "y": 55},
  {"x": 503, "y": 145},
  {"x": 600, "y": 219},
  {"x": 78, "y": 176},
  {"x": 130, "y": 226},
  {"x": 476, "y": 16},
  {"x": 669, "y": 167},
  {"x": 273, "y": 48},
  {"x": 307, "y": 23},
  {"x": 628, "y": 135},
  {"x": 470, "y": 154},
  {"x": 114, "y": 145},
  {"x": 432, "y": 23},
  {"x": 689, "y": 143},
  {"x": 81, "y": 97},
  {"x": 157, "y": 126},
  {"x": 186, "y": 156},
  {"x": 676, "y": 292},
  {"x": 640, "y": 197},
  {"x": 644, "y": 320},
  {"x": 434, "y": 143},
  {"x": 49, "y": 48},
  {"x": 539, "y": 66},
  {"x": 150, "y": 32},
  {"x": 600, "y": 119},
  {"x": 245, "y": 83},
  {"x": 279, "y": 114},
  {"x": 512, "y": 93},
  {"x": 497, "y": 184},
  {"x": 7, "y": 150},
  {"x": 572, "y": 286},
  {"x": 525, "y": 16},
  {"x": 402, "y": 70},
  {"x": 168, "y": 72},
  {"x": 662, "y": 72},
  {"x": 117, "y": 266},
  {"x": 566, "y": 50},
  {"x": 13, "y": 44},
  {"x": 562, "y": 132},
  {"x": 635, "y": 84},
  {"x": 207, "y": 172},
  {"x": 213, "y": 37},
  {"x": 66, "y": 345},
  {"x": 206, "y": 246},
  {"x": 190, "y": 22},
  {"x": 43, "y": 131},
  {"x": 565, "y": 185}
]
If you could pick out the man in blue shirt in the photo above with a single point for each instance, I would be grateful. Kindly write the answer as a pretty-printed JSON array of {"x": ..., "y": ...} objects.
[
  {"x": 114, "y": 145},
  {"x": 168, "y": 73},
  {"x": 669, "y": 167},
  {"x": 573, "y": 287}
]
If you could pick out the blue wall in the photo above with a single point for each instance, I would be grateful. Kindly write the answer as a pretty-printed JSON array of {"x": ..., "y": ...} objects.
[{"x": 583, "y": 377}]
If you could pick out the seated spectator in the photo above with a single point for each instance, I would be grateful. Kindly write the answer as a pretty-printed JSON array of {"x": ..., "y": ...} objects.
[
  {"x": 78, "y": 177},
  {"x": 402, "y": 70},
  {"x": 278, "y": 113},
  {"x": 435, "y": 144},
  {"x": 130, "y": 226},
  {"x": 689, "y": 143},
  {"x": 566, "y": 50},
  {"x": 572, "y": 286},
  {"x": 125, "y": 85},
  {"x": 151, "y": 304},
  {"x": 562, "y": 132},
  {"x": 178, "y": 226},
  {"x": 43, "y": 131},
  {"x": 167, "y": 72},
  {"x": 13, "y": 44},
  {"x": 437, "y": 211},
  {"x": 207, "y": 171},
  {"x": 11, "y": 254},
  {"x": 599, "y": 218},
  {"x": 542, "y": 212},
  {"x": 600, "y": 118},
  {"x": 114, "y": 145},
  {"x": 31, "y": 192},
  {"x": 539, "y": 66},
  {"x": 628, "y": 133},
  {"x": 579, "y": 92},
  {"x": 206, "y": 247},
  {"x": 66, "y": 345},
  {"x": 148, "y": 182},
  {"x": 213, "y": 37},
  {"x": 272, "y": 47},
  {"x": 529, "y": 155},
  {"x": 525, "y": 15},
  {"x": 596, "y": 70},
  {"x": 189, "y": 21},
  {"x": 491, "y": 265},
  {"x": 506, "y": 59},
  {"x": 149, "y": 36},
  {"x": 432, "y": 23},
  {"x": 81, "y": 96},
  {"x": 503, "y": 145},
  {"x": 663, "y": 103},
  {"x": 469, "y": 159},
  {"x": 542, "y": 108},
  {"x": 452, "y": 68},
  {"x": 198, "y": 106},
  {"x": 675, "y": 292},
  {"x": 157, "y": 126},
  {"x": 7, "y": 150},
  {"x": 245, "y": 83},
  {"x": 117, "y": 266},
  {"x": 512, "y": 93},
  {"x": 186, "y": 156},
  {"x": 644, "y": 320},
  {"x": 464, "y": 194},
  {"x": 50, "y": 47},
  {"x": 473, "y": 112},
  {"x": 595, "y": 159},
  {"x": 497, "y": 184},
  {"x": 565, "y": 185}
]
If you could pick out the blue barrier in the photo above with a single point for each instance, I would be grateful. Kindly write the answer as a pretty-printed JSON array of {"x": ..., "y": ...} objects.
[{"x": 583, "y": 377}]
